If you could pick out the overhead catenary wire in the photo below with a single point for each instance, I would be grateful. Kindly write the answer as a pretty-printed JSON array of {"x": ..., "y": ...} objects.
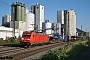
[
  {"x": 5, "y": 3},
  {"x": 3, "y": 6}
]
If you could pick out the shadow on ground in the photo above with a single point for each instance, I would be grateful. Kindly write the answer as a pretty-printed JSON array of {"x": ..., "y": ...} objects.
[
  {"x": 84, "y": 53},
  {"x": 11, "y": 45}
]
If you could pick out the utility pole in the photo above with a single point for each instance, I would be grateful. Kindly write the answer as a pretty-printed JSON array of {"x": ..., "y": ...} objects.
[
  {"x": 13, "y": 25},
  {"x": 86, "y": 33},
  {"x": 81, "y": 31},
  {"x": 68, "y": 30},
  {"x": 36, "y": 28},
  {"x": 68, "y": 24}
]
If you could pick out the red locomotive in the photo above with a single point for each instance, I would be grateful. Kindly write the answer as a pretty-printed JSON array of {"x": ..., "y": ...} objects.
[{"x": 30, "y": 38}]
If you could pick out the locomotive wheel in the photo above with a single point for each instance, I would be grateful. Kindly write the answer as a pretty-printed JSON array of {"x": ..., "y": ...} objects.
[
  {"x": 27, "y": 45},
  {"x": 21, "y": 44}
]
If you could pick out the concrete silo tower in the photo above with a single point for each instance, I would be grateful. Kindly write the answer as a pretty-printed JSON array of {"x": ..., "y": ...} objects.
[
  {"x": 38, "y": 10},
  {"x": 18, "y": 16},
  {"x": 13, "y": 12},
  {"x": 18, "y": 11},
  {"x": 23, "y": 12},
  {"x": 70, "y": 22}
]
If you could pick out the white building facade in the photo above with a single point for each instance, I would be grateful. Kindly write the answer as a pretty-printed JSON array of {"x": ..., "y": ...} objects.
[
  {"x": 29, "y": 18},
  {"x": 70, "y": 22},
  {"x": 60, "y": 17},
  {"x": 47, "y": 27},
  {"x": 38, "y": 10},
  {"x": 8, "y": 32},
  {"x": 18, "y": 25},
  {"x": 5, "y": 19}
]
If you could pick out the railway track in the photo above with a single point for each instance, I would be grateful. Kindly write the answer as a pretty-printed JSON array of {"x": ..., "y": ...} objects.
[
  {"x": 12, "y": 49},
  {"x": 32, "y": 52},
  {"x": 6, "y": 48},
  {"x": 21, "y": 53},
  {"x": 2, "y": 47},
  {"x": 9, "y": 47}
]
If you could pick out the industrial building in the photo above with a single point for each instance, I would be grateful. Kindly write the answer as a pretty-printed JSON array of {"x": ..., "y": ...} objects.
[
  {"x": 18, "y": 11},
  {"x": 38, "y": 10},
  {"x": 47, "y": 27},
  {"x": 6, "y": 32},
  {"x": 29, "y": 18},
  {"x": 23, "y": 19},
  {"x": 70, "y": 22},
  {"x": 60, "y": 19},
  {"x": 18, "y": 25},
  {"x": 6, "y": 20},
  {"x": 57, "y": 28},
  {"x": 87, "y": 34},
  {"x": 16, "y": 22},
  {"x": 60, "y": 16}
]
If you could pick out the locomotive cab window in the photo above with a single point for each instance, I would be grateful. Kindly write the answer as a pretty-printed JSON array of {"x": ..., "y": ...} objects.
[{"x": 27, "y": 35}]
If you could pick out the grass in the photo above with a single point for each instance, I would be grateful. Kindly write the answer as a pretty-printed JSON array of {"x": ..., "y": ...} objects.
[
  {"x": 69, "y": 52},
  {"x": 10, "y": 41}
]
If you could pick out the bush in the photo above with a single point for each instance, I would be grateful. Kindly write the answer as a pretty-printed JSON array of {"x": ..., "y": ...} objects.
[
  {"x": 18, "y": 40},
  {"x": 69, "y": 52},
  {"x": 1, "y": 40},
  {"x": 11, "y": 40}
]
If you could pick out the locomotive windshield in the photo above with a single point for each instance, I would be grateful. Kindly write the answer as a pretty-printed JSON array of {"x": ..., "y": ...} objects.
[{"x": 26, "y": 35}]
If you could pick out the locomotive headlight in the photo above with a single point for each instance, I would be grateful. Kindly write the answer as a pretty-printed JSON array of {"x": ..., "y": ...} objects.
[
  {"x": 28, "y": 39},
  {"x": 22, "y": 38}
]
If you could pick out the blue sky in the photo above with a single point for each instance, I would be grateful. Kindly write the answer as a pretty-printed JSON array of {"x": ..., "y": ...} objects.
[{"x": 81, "y": 7}]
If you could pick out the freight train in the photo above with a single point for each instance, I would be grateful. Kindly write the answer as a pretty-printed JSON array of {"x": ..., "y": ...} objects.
[{"x": 31, "y": 38}]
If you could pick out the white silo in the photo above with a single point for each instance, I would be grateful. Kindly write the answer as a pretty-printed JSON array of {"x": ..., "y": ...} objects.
[
  {"x": 47, "y": 26},
  {"x": 29, "y": 21},
  {"x": 27, "y": 11},
  {"x": 60, "y": 17},
  {"x": 38, "y": 10}
]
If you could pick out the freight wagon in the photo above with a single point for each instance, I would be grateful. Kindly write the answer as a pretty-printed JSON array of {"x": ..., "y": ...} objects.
[
  {"x": 66, "y": 38},
  {"x": 58, "y": 37},
  {"x": 30, "y": 38}
]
